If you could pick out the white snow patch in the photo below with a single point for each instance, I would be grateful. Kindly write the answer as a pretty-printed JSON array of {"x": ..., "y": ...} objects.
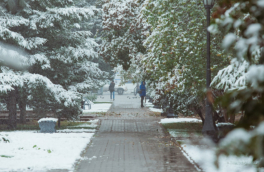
[
  {"x": 31, "y": 151},
  {"x": 93, "y": 124},
  {"x": 205, "y": 157},
  {"x": 178, "y": 120},
  {"x": 155, "y": 110},
  {"x": 77, "y": 130},
  {"x": 103, "y": 107},
  {"x": 48, "y": 119}
]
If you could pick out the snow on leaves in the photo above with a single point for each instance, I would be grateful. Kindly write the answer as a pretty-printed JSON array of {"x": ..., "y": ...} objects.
[
  {"x": 122, "y": 35},
  {"x": 232, "y": 77}
]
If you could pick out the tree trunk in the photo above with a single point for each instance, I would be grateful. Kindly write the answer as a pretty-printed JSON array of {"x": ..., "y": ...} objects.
[
  {"x": 199, "y": 112},
  {"x": 22, "y": 102},
  {"x": 12, "y": 110},
  {"x": 59, "y": 120},
  {"x": 23, "y": 112},
  {"x": 225, "y": 115},
  {"x": 232, "y": 119}
]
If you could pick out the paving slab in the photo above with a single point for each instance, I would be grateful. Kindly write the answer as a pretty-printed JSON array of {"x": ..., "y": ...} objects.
[{"x": 130, "y": 139}]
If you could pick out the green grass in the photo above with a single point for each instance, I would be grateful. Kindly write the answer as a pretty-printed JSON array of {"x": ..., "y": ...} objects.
[
  {"x": 6, "y": 156},
  {"x": 95, "y": 113},
  {"x": 184, "y": 130},
  {"x": 186, "y": 126},
  {"x": 33, "y": 125},
  {"x": 102, "y": 102}
]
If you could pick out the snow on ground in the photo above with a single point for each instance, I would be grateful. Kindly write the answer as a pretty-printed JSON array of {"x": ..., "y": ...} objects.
[
  {"x": 48, "y": 119},
  {"x": 205, "y": 157},
  {"x": 93, "y": 124},
  {"x": 32, "y": 151},
  {"x": 204, "y": 153},
  {"x": 82, "y": 130},
  {"x": 155, "y": 110},
  {"x": 100, "y": 107},
  {"x": 178, "y": 120},
  {"x": 150, "y": 106}
]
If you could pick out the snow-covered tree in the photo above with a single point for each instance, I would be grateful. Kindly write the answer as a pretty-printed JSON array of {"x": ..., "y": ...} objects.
[
  {"x": 59, "y": 53},
  {"x": 244, "y": 22},
  {"x": 122, "y": 32},
  {"x": 175, "y": 62}
]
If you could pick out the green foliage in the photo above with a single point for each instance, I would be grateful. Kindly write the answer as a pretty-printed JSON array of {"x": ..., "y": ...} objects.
[
  {"x": 122, "y": 33},
  {"x": 249, "y": 99},
  {"x": 91, "y": 97},
  {"x": 243, "y": 143},
  {"x": 175, "y": 63},
  {"x": 244, "y": 22},
  {"x": 6, "y": 156},
  {"x": 5, "y": 140}
]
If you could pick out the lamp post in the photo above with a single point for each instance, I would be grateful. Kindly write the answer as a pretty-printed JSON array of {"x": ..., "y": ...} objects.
[{"x": 208, "y": 127}]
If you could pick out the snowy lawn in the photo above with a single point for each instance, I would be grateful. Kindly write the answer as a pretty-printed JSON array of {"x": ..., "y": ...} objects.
[
  {"x": 81, "y": 130},
  {"x": 32, "y": 151},
  {"x": 99, "y": 107},
  {"x": 183, "y": 129},
  {"x": 90, "y": 124},
  {"x": 179, "y": 120},
  {"x": 205, "y": 157},
  {"x": 33, "y": 125}
]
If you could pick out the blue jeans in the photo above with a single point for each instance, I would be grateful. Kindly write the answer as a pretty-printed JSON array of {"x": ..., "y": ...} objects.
[{"x": 112, "y": 94}]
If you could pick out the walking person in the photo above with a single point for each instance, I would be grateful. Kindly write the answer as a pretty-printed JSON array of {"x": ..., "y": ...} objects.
[
  {"x": 142, "y": 92},
  {"x": 112, "y": 90}
]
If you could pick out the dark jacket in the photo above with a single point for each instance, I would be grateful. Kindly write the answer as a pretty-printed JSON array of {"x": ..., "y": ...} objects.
[
  {"x": 112, "y": 87},
  {"x": 143, "y": 89}
]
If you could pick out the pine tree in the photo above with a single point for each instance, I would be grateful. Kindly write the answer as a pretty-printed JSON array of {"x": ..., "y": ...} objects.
[{"x": 60, "y": 54}]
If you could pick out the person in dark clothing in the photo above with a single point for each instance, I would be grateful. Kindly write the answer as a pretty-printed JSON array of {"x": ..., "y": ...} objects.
[
  {"x": 143, "y": 92},
  {"x": 112, "y": 90}
]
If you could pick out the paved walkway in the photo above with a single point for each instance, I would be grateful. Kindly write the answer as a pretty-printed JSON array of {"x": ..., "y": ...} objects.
[{"x": 131, "y": 140}]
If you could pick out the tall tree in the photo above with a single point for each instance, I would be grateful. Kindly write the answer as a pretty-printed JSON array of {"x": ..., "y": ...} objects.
[
  {"x": 122, "y": 33},
  {"x": 175, "y": 63},
  {"x": 60, "y": 53}
]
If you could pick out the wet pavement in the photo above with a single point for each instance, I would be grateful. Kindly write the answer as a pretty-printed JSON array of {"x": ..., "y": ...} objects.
[{"x": 130, "y": 139}]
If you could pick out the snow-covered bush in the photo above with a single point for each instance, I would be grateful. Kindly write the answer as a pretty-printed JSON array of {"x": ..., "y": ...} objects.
[
  {"x": 240, "y": 142},
  {"x": 231, "y": 77},
  {"x": 244, "y": 81}
]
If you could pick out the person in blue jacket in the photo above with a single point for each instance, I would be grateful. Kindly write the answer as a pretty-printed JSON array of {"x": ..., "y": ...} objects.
[{"x": 143, "y": 92}]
